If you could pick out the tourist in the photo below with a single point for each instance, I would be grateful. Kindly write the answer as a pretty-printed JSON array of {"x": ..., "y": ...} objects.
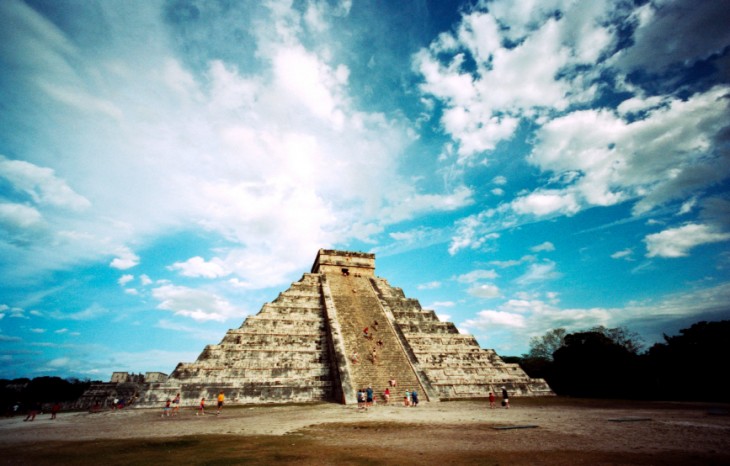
[
  {"x": 414, "y": 398},
  {"x": 375, "y": 325},
  {"x": 166, "y": 409},
  {"x": 369, "y": 396},
  {"x": 407, "y": 398},
  {"x": 360, "y": 398},
  {"x": 55, "y": 409},
  {"x": 365, "y": 332},
  {"x": 392, "y": 383},
  {"x": 380, "y": 342},
  {"x": 116, "y": 402},
  {"x": 221, "y": 399},
  {"x": 505, "y": 398},
  {"x": 374, "y": 356},
  {"x": 354, "y": 357},
  {"x": 201, "y": 408},
  {"x": 176, "y": 404},
  {"x": 491, "y": 400},
  {"x": 35, "y": 408},
  {"x": 386, "y": 395}
]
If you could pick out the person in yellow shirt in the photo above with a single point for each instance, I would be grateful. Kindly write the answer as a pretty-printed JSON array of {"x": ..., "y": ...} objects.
[{"x": 221, "y": 399}]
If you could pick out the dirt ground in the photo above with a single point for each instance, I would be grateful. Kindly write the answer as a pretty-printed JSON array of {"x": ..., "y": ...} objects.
[{"x": 533, "y": 431}]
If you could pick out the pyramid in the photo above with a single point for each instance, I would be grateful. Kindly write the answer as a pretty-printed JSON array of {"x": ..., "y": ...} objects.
[{"x": 310, "y": 344}]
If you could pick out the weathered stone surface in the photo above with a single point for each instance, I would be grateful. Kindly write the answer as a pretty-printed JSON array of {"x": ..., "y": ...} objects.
[{"x": 300, "y": 347}]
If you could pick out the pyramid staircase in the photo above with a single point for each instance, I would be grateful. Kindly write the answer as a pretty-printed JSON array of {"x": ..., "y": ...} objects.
[{"x": 357, "y": 307}]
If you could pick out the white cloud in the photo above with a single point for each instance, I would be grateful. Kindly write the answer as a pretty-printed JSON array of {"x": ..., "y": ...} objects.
[
  {"x": 239, "y": 152},
  {"x": 546, "y": 246},
  {"x": 476, "y": 275},
  {"x": 198, "y": 267},
  {"x": 125, "y": 259},
  {"x": 92, "y": 312},
  {"x": 513, "y": 263},
  {"x": 41, "y": 184},
  {"x": 196, "y": 304},
  {"x": 676, "y": 242},
  {"x": 623, "y": 254},
  {"x": 429, "y": 286},
  {"x": 619, "y": 160},
  {"x": 469, "y": 234},
  {"x": 538, "y": 273},
  {"x": 489, "y": 318},
  {"x": 124, "y": 279},
  {"x": 547, "y": 202},
  {"x": 441, "y": 304},
  {"x": 484, "y": 290},
  {"x": 483, "y": 106},
  {"x": 19, "y": 216}
]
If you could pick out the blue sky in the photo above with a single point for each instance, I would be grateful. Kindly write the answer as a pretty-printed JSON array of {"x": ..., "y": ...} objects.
[{"x": 166, "y": 168}]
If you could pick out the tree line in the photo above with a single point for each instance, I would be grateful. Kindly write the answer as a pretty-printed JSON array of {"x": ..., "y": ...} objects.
[
  {"x": 610, "y": 363},
  {"x": 45, "y": 390}
]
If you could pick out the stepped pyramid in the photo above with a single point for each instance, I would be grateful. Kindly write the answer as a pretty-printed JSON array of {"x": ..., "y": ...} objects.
[{"x": 309, "y": 344}]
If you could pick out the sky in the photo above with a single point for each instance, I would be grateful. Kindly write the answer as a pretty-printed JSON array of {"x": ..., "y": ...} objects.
[{"x": 167, "y": 167}]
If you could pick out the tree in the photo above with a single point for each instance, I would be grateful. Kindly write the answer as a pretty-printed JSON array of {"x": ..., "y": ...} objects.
[
  {"x": 591, "y": 364},
  {"x": 543, "y": 347},
  {"x": 621, "y": 336},
  {"x": 700, "y": 350}
]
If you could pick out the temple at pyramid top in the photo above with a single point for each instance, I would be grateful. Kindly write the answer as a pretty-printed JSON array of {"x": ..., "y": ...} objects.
[
  {"x": 344, "y": 262},
  {"x": 338, "y": 329}
]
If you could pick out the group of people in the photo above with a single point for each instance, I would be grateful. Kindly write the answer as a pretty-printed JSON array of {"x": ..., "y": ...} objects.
[
  {"x": 365, "y": 398},
  {"x": 173, "y": 406},
  {"x": 410, "y": 398},
  {"x": 35, "y": 408},
  {"x": 505, "y": 399}
]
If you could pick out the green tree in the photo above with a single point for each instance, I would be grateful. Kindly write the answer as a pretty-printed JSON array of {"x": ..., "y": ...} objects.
[
  {"x": 621, "y": 336},
  {"x": 543, "y": 347}
]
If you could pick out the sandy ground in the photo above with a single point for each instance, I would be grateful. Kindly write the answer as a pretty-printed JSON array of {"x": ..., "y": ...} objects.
[{"x": 556, "y": 425}]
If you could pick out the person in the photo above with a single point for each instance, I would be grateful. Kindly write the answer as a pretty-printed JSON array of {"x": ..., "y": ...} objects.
[
  {"x": 392, "y": 383},
  {"x": 166, "y": 409},
  {"x": 33, "y": 411},
  {"x": 407, "y": 398},
  {"x": 505, "y": 398},
  {"x": 360, "y": 398},
  {"x": 380, "y": 342},
  {"x": 386, "y": 395},
  {"x": 55, "y": 409},
  {"x": 374, "y": 356},
  {"x": 221, "y": 399},
  {"x": 116, "y": 402},
  {"x": 491, "y": 400},
  {"x": 176, "y": 404},
  {"x": 354, "y": 357},
  {"x": 369, "y": 396},
  {"x": 201, "y": 408},
  {"x": 414, "y": 398},
  {"x": 375, "y": 325}
]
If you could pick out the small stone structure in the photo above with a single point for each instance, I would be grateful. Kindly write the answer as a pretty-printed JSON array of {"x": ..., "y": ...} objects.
[{"x": 310, "y": 344}]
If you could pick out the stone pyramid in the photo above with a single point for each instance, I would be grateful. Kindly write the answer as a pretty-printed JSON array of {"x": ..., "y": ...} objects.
[{"x": 309, "y": 344}]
